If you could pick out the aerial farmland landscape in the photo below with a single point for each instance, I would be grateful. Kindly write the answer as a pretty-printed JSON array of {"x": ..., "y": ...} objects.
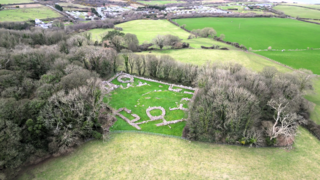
[{"x": 159, "y": 89}]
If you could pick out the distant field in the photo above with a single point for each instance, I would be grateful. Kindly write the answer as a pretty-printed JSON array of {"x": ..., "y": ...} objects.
[
  {"x": 142, "y": 156},
  {"x": 26, "y": 14},
  {"x": 14, "y": 1},
  {"x": 159, "y": 2},
  {"x": 306, "y": 5},
  {"x": 146, "y": 30},
  {"x": 317, "y": 21},
  {"x": 71, "y": 4},
  {"x": 297, "y": 59},
  {"x": 242, "y": 10},
  {"x": 201, "y": 56},
  {"x": 260, "y": 33},
  {"x": 299, "y": 12}
]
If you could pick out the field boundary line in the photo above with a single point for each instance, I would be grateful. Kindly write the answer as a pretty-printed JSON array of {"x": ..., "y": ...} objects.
[{"x": 183, "y": 138}]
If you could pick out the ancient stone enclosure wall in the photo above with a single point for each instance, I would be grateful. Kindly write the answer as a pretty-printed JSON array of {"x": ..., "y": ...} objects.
[{"x": 120, "y": 76}]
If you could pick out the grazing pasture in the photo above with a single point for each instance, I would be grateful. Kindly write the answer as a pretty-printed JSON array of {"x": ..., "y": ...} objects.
[
  {"x": 26, "y": 14},
  {"x": 260, "y": 33},
  {"x": 145, "y": 30},
  {"x": 201, "y": 56},
  {"x": 300, "y": 12},
  {"x": 309, "y": 59},
  {"x": 14, "y": 1},
  {"x": 138, "y": 99},
  {"x": 142, "y": 156}
]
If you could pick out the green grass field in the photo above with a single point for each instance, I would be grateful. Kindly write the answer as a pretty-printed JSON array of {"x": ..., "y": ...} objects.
[
  {"x": 201, "y": 56},
  {"x": 138, "y": 99},
  {"x": 14, "y": 1},
  {"x": 146, "y": 30},
  {"x": 260, "y": 33},
  {"x": 242, "y": 10},
  {"x": 27, "y": 14},
  {"x": 141, "y": 156},
  {"x": 299, "y": 12},
  {"x": 309, "y": 59}
]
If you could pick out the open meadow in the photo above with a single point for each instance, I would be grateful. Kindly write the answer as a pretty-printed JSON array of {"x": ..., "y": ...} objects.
[
  {"x": 278, "y": 33},
  {"x": 143, "y": 156},
  {"x": 14, "y": 1},
  {"x": 145, "y": 30},
  {"x": 202, "y": 56},
  {"x": 308, "y": 59},
  {"x": 260, "y": 33},
  {"x": 298, "y": 12},
  {"x": 25, "y": 14}
]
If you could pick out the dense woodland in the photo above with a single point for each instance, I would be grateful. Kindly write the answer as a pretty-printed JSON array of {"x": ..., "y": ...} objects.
[{"x": 52, "y": 96}]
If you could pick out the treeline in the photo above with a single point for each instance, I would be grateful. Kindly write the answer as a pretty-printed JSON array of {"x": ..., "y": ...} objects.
[
  {"x": 235, "y": 105},
  {"x": 50, "y": 101}
]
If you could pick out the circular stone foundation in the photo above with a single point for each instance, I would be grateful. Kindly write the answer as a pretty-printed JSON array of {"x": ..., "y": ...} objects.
[
  {"x": 156, "y": 117},
  {"x": 125, "y": 76}
]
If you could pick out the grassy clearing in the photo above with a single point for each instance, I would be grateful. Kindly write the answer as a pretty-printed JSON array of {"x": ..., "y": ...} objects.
[
  {"x": 260, "y": 33},
  {"x": 201, "y": 56},
  {"x": 14, "y": 1},
  {"x": 297, "y": 59},
  {"x": 140, "y": 156},
  {"x": 27, "y": 14},
  {"x": 138, "y": 99},
  {"x": 299, "y": 12}
]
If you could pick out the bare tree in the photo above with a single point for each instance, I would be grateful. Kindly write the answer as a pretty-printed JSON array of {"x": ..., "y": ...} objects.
[
  {"x": 159, "y": 41},
  {"x": 286, "y": 123}
]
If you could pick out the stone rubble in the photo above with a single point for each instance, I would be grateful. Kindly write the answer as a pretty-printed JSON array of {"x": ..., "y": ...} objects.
[
  {"x": 125, "y": 76},
  {"x": 109, "y": 87},
  {"x": 180, "y": 107}
]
